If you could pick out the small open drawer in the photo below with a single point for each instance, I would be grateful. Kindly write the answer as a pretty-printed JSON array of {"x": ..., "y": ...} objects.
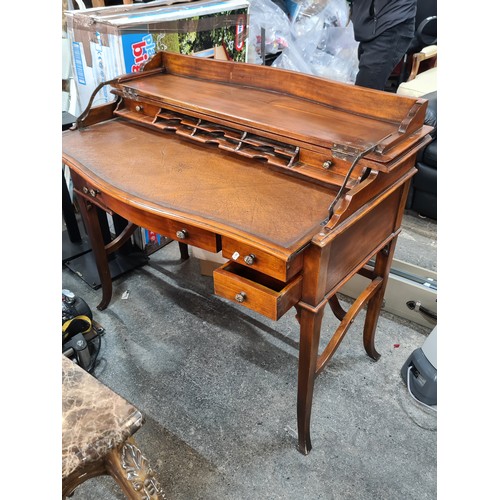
[{"x": 255, "y": 290}]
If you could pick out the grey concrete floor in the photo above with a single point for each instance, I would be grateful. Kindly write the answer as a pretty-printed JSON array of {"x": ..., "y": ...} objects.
[
  {"x": 216, "y": 384},
  {"x": 417, "y": 242}
]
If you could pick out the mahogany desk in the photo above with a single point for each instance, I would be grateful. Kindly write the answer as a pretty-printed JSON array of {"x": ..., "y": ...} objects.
[{"x": 300, "y": 181}]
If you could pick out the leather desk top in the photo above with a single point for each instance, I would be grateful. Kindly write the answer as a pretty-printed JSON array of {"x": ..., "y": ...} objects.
[{"x": 173, "y": 176}]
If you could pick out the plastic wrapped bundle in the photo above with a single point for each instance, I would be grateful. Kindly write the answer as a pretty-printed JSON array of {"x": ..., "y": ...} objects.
[
  {"x": 322, "y": 40},
  {"x": 268, "y": 16}
]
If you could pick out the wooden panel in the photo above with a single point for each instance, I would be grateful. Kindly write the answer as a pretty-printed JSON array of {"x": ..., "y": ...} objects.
[{"x": 361, "y": 239}]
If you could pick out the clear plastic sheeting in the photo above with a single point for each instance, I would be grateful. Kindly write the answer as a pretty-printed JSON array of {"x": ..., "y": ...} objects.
[
  {"x": 267, "y": 18},
  {"x": 337, "y": 58},
  {"x": 314, "y": 37}
]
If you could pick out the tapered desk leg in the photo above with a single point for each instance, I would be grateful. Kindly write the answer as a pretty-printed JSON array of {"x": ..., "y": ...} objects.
[
  {"x": 91, "y": 220},
  {"x": 382, "y": 268},
  {"x": 184, "y": 251},
  {"x": 310, "y": 329}
]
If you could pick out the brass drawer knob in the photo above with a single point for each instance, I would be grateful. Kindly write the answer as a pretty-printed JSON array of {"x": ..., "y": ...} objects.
[
  {"x": 240, "y": 297},
  {"x": 181, "y": 234},
  {"x": 249, "y": 259},
  {"x": 92, "y": 192}
]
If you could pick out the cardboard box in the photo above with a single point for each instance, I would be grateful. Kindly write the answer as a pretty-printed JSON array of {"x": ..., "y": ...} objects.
[
  {"x": 209, "y": 261},
  {"x": 112, "y": 41}
]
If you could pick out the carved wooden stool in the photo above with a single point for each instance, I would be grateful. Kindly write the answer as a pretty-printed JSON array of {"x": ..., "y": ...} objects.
[{"x": 97, "y": 429}]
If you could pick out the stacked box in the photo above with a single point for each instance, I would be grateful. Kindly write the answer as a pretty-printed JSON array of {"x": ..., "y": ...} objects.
[
  {"x": 209, "y": 261},
  {"x": 112, "y": 41}
]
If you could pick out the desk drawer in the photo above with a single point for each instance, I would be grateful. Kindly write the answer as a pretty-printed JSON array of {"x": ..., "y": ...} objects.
[
  {"x": 258, "y": 260},
  {"x": 194, "y": 236},
  {"x": 255, "y": 290}
]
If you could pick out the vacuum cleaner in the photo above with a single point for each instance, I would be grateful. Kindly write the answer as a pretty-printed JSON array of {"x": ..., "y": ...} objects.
[{"x": 419, "y": 372}]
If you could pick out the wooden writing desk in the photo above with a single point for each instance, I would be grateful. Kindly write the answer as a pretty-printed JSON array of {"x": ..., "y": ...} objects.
[{"x": 300, "y": 181}]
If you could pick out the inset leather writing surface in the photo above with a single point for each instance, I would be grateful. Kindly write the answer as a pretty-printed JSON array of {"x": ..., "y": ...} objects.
[
  {"x": 289, "y": 117},
  {"x": 169, "y": 174}
]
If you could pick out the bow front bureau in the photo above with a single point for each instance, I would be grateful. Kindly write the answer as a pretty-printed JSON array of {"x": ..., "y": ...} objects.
[{"x": 300, "y": 181}]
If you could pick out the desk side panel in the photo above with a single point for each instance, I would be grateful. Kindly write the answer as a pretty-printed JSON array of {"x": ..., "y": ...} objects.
[{"x": 362, "y": 238}]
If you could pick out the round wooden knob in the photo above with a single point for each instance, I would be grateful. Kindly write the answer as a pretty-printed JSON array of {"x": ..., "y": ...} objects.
[{"x": 249, "y": 259}]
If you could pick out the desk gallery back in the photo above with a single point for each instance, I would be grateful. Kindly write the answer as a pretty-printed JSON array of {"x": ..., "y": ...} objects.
[{"x": 300, "y": 181}]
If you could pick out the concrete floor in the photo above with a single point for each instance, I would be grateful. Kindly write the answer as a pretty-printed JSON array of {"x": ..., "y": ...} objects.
[{"x": 217, "y": 386}]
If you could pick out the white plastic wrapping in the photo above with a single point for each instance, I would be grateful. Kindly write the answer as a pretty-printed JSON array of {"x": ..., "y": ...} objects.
[
  {"x": 316, "y": 38},
  {"x": 265, "y": 14}
]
